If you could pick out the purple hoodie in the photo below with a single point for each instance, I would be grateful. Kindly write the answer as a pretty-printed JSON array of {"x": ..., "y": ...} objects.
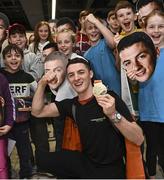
[{"x": 9, "y": 107}]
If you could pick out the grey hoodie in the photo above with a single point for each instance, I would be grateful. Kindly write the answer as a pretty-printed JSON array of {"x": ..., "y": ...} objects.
[{"x": 33, "y": 65}]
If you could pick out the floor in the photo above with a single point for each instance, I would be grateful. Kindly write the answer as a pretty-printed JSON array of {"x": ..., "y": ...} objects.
[{"x": 15, "y": 161}]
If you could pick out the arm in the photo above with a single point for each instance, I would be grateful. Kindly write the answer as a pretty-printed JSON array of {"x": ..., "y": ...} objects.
[
  {"x": 108, "y": 35},
  {"x": 31, "y": 47},
  {"x": 7, "y": 103},
  {"x": 4, "y": 129},
  {"x": 117, "y": 38},
  {"x": 39, "y": 109},
  {"x": 33, "y": 86},
  {"x": 36, "y": 67},
  {"x": 129, "y": 130}
]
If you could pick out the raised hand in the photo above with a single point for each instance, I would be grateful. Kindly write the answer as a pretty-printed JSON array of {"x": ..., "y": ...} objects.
[
  {"x": 107, "y": 102},
  {"x": 131, "y": 74},
  {"x": 91, "y": 18},
  {"x": 48, "y": 77},
  {"x": 117, "y": 38}
]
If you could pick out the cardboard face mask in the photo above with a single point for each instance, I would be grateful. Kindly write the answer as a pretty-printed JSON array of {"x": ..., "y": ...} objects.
[{"x": 137, "y": 62}]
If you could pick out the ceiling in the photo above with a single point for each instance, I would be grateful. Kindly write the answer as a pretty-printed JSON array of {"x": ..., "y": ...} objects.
[{"x": 29, "y": 12}]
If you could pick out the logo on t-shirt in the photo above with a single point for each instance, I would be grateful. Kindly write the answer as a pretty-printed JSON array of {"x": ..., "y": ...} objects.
[
  {"x": 101, "y": 119},
  {"x": 20, "y": 90}
]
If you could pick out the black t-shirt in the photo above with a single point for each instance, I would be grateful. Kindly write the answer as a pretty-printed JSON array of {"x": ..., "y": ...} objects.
[
  {"x": 101, "y": 142},
  {"x": 22, "y": 86},
  {"x": 17, "y": 77}
]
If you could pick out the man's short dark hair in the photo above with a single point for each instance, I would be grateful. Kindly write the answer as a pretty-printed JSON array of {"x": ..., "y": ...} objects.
[
  {"x": 66, "y": 20},
  {"x": 142, "y": 3},
  {"x": 79, "y": 60},
  {"x": 51, "y": 45},
  {"x": 83, "y": 61},
  {"x": 138, "y": 37}
]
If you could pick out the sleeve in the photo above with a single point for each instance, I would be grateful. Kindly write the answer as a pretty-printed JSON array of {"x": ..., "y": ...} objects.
[
  {"x": 36, "y": 67},
  {"x": 65, "y": 107},
  {"x": 33, "y": 86},
  {"x": 31, "y": 47},
  {"x": 86, "y": 54},
  {"x": 121, "y": 107},
  {"x": 9, "y": 113}
]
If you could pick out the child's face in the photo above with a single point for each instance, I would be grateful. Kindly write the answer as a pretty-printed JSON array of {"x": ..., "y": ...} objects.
[
  {"x": 58, "y": 69},
  {"x": 92, "y": 32},
  {"x": 137, "y": 61},
  {"x": 19, "y": 39},
  {"x": 46, "y": 52},
  {"x": 126, "y": 18},
  {"x": 65, "y": 43},
  {"x": 155, "y": 29},
  {"x": 112, "y": 21},
  {"x": 13, "y": 61},
  {"x": 43, "y": 32}
]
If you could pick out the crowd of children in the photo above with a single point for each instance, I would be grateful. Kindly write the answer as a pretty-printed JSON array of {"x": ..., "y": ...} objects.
[{"x": 125, "y": 53}]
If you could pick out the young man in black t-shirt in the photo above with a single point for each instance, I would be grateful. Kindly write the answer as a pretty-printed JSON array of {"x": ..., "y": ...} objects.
[{"x": 103, "y": 121}]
